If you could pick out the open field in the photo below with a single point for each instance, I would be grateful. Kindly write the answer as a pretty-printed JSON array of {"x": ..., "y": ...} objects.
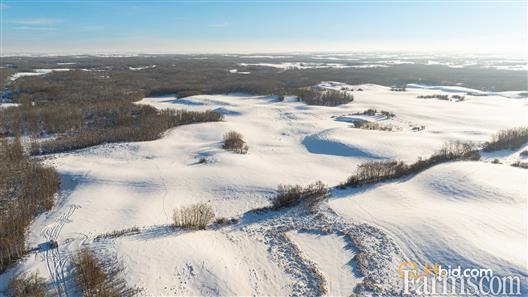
[{"x": 116, "y": 186}]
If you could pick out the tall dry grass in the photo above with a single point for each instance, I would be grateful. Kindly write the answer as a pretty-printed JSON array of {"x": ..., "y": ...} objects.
[
  {"x": 28, "y": 285},
  {"x": 196, "y": 216},
  {"x": 98, "y": 278}
]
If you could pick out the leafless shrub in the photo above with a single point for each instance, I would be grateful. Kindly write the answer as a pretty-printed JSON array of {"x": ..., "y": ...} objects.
[
  {"x": 523, "y": 165},
  {"x": 313, "y": 96},
  {"x": 118, "y": 233},
  {"x": 288, "y": 195},
  {"x": 99, "y": 278},
  {"x": 196, "y": 216},
  {"x": 368, "y": 125},
  {"x": 399, "y": 89},
  {"x": 24, "y": 285},
  {"x": 221, "y": 221},
  {"x": 508, "y": 139},
  {"x": 454, "y": 150},
  {"x": 377, "y": 171},
  {"x": 373, "y": 112},
  {"x": 496, "y": 161},
  {"x": 416, "y": 128},
  {"x": 434, "y": 96},
  {"x": 388, "y": 114},
  {"x": 370, "y": 112},
  {"x": 225, "y": 221},
  {"x": 234, "y": 141},
  {"x": 458, "y": 97}
]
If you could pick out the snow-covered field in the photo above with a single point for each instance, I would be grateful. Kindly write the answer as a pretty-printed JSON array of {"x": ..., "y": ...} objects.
[
  {"x": 464, "y": 213},
  {"x": 36, "y": 72},
  {"x": 471, "y": 214}
]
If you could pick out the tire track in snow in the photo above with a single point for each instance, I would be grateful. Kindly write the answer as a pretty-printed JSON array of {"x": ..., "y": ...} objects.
[
  {"x": 165, "y": 191},
  {"x": 54, "y": 262}
]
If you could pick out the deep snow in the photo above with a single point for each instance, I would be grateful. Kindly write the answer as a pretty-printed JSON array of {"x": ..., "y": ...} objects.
[{"x": 466, "y": 212}]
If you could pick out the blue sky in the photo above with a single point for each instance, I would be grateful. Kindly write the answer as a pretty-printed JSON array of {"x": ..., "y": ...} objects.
[{"x": 262, "y": 26}]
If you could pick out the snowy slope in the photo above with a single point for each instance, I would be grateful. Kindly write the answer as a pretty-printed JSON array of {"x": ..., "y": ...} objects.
[
  {"x": 201, "y": 263},
  {"x": 116, "y": 186},
  {"x": 462, "y": 213},
  {"x": 332, "y": 256}
]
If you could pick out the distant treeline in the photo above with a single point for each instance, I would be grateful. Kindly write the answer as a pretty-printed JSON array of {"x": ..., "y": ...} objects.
[{"x": 79, "y": 110}]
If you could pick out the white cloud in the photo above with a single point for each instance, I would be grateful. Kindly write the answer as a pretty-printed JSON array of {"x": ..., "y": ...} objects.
[
  {"x": 89, "y": 28},
  {"x": 33, "y": 28},
  {"x": 38, "y": 22},
  {"x": 220, "y": 25},
  {"x": 137, "y": 44}
]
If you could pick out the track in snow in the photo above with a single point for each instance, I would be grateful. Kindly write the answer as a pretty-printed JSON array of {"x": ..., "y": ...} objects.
[{"x": 55, "y": 261}]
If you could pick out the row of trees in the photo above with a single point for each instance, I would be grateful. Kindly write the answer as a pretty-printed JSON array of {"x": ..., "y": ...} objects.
[
  {"x": 507, "y": 139},
  {"x": 313, "y": 96},
  {"x": 148, "y": 124},
  {"x": 377, "y": 171},
  {"x": 289, "y": 195},
  {"x": 26, "y": 189}
]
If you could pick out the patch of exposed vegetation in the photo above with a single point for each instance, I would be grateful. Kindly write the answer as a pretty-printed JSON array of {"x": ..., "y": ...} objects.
[
  {"x": 443, "y": 97},
  {"x": 225, "y": 221},
  {"x": 234, "y": 141},
  {"x": 118, "y": 233},
  {"x": 288, "y": 195},
  {"x": 82, "y": 109},
  {"x": 314, "y": 96},
  {"x": 509, "y": 139},
  {"x": 148, "y": 125},
  {"x": 373, "y": 112},
  {"x": 368, "y": 125},
  {"x": 378, "y": 171},
  {"x": 196, "y": 216},
  {"x": 399, "y": 88},
  {"x": 523, "y": 165},
  {"x": 28, "y": 285},
  {"x": 26, "y": 189},
  {"x": 100, "y": 278}
]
